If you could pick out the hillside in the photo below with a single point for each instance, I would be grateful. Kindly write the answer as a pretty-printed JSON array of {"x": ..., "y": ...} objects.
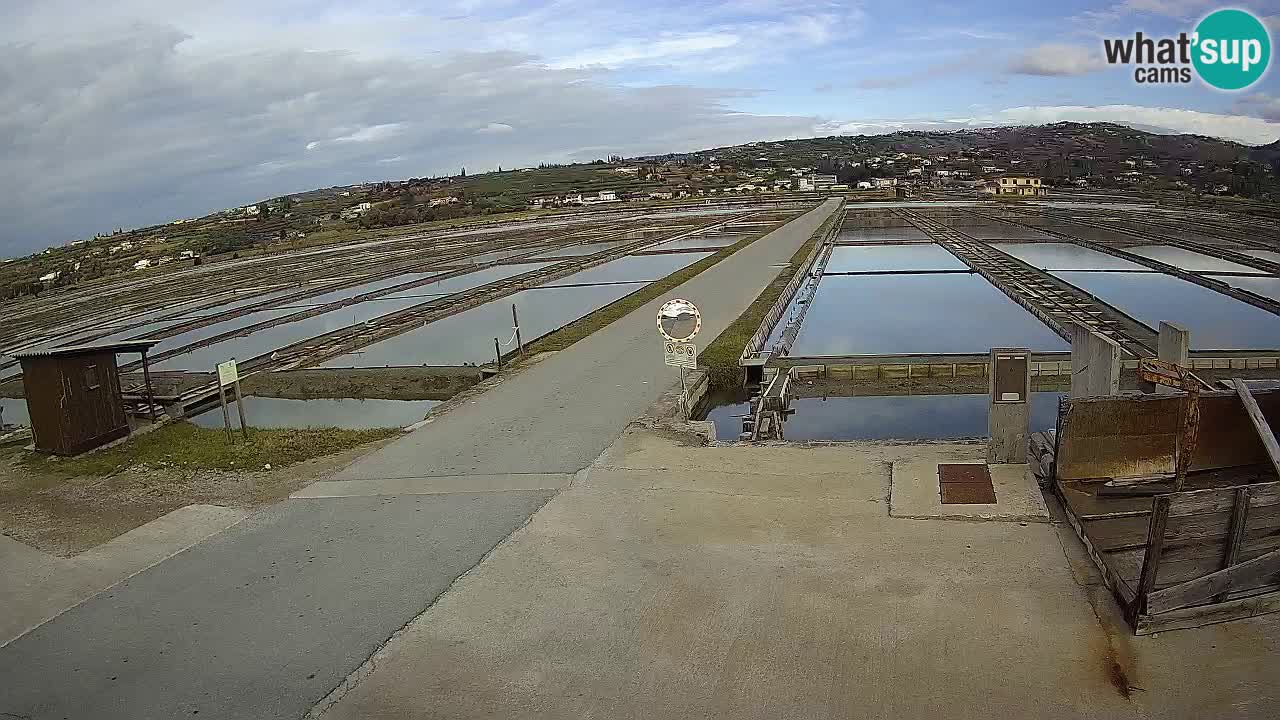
[{"x": 1102, "y": 155}]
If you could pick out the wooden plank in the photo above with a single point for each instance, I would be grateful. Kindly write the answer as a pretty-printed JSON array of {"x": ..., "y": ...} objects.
[
  {"x": 1235, "y": 536},
  {"x": 1119, "y": 588},
  {"x": 1200, "y": 502},
  {"x": 1187, "y": 562},
  {"x": 1127, "y": 533},
  {"x": 1260, "y": 423},
  {"x": 1151, "y": 559},
  {"x": 1208, "y": 614},
  {"x": 1202, "y": 588}
]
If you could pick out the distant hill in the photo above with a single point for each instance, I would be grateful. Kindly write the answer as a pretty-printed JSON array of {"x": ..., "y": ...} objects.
[{"x": 1104, "y": 155}]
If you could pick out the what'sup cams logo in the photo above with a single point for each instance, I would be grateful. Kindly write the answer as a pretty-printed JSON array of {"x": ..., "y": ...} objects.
[{"x": 1229, "y": 50}]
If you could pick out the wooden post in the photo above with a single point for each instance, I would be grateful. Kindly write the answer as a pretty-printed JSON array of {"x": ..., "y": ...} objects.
[
  {"x": 244, "y": 426},
  {"x": 516, "y": 322},
  {"x": 1151, "y": 560},
  {"x": 151, "y": 396},
  {"x": 1235, "y": 534},
  {"x": 497, "y": 351},
  {"x": 1260, "y": 425},
  {"x": 226, "y": 416}
]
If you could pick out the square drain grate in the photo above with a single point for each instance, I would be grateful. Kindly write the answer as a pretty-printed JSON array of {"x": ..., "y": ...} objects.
[{"x": 965, "y": 484}]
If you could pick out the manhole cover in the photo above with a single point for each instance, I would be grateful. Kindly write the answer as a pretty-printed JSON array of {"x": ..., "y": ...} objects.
[{"x": 965, "y": 484}]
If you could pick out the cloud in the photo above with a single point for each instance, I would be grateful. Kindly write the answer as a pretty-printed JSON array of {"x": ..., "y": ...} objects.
[
  {"x": 1057, "y": 59},
  {"x": 668, "y": 49},
  {"x": 495, "y": 129},
  {"x": 130, "y": 129},
  {"x": 1260, "y": 105},
  {"x": 1168, "y": 8},
  {"x": 952, "y": 65},
  {"x": 1248, "y": 130}
]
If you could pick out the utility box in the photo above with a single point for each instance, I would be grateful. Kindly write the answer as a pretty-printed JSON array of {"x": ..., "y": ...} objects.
[
  {"x": 73, "y": 395},
  {"x": 1009, "y": 416}
]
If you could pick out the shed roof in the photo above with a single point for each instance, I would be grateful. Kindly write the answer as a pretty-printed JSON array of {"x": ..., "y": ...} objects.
[{"x": 126, "y": 346}]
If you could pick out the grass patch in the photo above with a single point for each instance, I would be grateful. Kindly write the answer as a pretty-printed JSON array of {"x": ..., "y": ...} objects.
[
  {"x": 720, "y": 358},
  {"x": 184, "y": 445},
  {"x": 587, "y": 324}
]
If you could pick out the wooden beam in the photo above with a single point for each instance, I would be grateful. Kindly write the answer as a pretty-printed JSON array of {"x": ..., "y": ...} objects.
[
  {"x": 1209, "y": 614},
  {"x": 1259, "y": 423},
  {"x": 1235, "y": 535},
  {"x": 1151, "y": 559},
  {"x": 1203, "y": 588}
]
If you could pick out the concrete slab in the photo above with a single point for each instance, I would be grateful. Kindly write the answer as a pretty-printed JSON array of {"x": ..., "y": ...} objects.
[
  {"x": 914, "y": 493},
  {"x": 260, "y": 621},
  {"x": 434, "y": 485},
  {"x": 36, "y": 586},
  {"x": 729, "y": 588}
]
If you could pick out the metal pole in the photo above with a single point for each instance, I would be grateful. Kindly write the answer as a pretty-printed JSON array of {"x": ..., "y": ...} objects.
[
  {"x": 516, "y": 322},
  {"x": 684, "y": 396},
  {"x": 151, "y": 396},
  {"x": 497, "y": 351},
  {"x": 226, "y": 416},
  {"x": 244, "y": 426}
]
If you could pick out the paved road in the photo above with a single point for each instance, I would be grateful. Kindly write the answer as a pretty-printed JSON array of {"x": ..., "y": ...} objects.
[
  {"x": 561, "y": 414},
  {"x": 262, "y": 621}
]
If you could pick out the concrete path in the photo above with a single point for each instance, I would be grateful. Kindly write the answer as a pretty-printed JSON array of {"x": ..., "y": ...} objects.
[
  {"x": 560, "y": 414},
  {"x": 36, "y": 586},
  {"x": 265, "y": 619},
  {"x": 772, "y": 582}
]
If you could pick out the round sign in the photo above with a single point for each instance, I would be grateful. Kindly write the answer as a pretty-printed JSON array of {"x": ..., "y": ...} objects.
[{"x": 679, "y": 320}]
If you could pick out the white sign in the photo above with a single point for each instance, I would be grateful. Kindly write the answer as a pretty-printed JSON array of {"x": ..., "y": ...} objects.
[
  {"x": 227, "y": 373},
  {"x": 680, "y": 354}
]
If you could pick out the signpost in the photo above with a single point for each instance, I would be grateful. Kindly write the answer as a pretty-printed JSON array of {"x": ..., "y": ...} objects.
[
  {"x": 679, "y": 321},
  {"x": 229, "y": 375}
]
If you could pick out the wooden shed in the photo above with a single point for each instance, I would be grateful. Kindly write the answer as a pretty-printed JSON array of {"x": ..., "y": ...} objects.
[{"x": 74, "y": 397}]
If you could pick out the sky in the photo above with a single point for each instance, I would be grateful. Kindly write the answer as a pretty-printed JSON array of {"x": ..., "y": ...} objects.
[{"x": 133, "y": 112}]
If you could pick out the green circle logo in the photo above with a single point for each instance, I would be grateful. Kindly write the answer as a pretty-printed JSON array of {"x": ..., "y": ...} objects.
[{"x": 1232, "y": 49}]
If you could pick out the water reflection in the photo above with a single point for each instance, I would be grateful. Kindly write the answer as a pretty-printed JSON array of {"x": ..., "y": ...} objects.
[
  {"x": 346, "y": 413},
  {"x": 580, "y": 250},
  {"x": 1066, "y": 256},
  {"x": 699, "y": 241},
  {"x": 1216, "y": 321},
  {"x": 272, "y": 338},
  {"x": 888, "y": 417},
  {"x": 1189, "y": 260},
  {"x": 845, "y": 258},
  {"x": 468, "y": 336},
  {"x": 1264, "y": 286},
  {"x": 864, "y": 234},
  {"x": 14, "y": 411},
  {"x": 1271, "y": 255},
  {"x": 876, "y": 314}
]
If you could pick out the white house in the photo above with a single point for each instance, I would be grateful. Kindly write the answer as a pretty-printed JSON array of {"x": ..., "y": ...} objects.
[
  {"x": 142, "y": 264},
  {"x": 864, "y": 185},
  {"x": 51, "y": 276}
]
